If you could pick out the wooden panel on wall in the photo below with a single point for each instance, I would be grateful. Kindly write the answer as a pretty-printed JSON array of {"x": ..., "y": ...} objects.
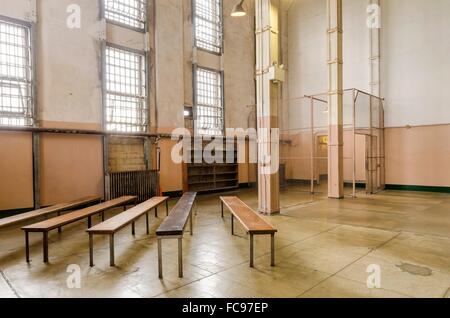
[{"x": 16, "y": 171}]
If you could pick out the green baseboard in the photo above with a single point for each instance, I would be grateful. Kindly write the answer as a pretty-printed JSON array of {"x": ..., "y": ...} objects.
[
  {"x": 417, "y": 188},
  {"x": 298, "y": 182},
  {"x": 359, "y": 185}
]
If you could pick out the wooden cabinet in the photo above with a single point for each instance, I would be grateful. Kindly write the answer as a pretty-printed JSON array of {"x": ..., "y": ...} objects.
[{"x": 215, "y": 170}]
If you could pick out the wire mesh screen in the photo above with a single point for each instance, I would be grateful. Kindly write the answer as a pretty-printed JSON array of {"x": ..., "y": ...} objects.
[
  {"x": 132, "y": 13},
  {"x": 16, "y": 75},
  {"x": 209, "y": 103},
  {"x": 208, "y": 25},
  {"x": 126, "y": 91}
]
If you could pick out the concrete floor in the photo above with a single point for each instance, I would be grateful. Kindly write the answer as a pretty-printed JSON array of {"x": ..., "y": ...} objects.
[{"x": 323, "y": 249}]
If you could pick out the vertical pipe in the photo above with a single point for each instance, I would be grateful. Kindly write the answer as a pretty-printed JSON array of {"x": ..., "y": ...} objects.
[
  {"x": 36, "y": 170},
  {"x": 354, "y": 140},
  {"x": 370, "y": 147},
  {"x": 312, "y": 145},
  {"x": 335, "y": 100}
]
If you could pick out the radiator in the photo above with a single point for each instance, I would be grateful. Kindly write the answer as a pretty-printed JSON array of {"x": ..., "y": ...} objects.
[{"x": 143, "y": 184}]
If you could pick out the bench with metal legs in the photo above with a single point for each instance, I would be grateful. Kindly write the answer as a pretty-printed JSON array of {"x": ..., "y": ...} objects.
[
  {"x": 46, "y": 212},
  {"x": 117, "y": 223},
  {"x": 253, "y": 223},
  {"x": 173, "y": 228},
  {"x": 58, "y": 222}
]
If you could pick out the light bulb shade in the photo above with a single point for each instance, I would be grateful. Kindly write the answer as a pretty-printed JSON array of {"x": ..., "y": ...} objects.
[{"x": 238, "y": 10}]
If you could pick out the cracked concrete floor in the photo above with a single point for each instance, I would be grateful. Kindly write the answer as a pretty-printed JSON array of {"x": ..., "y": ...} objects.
[{"x": 323, "y": 249}]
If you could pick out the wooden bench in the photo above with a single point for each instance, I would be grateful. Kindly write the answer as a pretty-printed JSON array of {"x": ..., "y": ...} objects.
[
  {"x": 45, "y": 212},
  {"x": 56, "y": 223},
  {"x": 120, "y": 221},
  {"x": 253, "y": 223},
  {"x": 173, "y": 228}
]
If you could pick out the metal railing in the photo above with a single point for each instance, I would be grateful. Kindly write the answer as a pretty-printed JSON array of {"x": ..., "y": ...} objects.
[{"x": 304, "y": 139}]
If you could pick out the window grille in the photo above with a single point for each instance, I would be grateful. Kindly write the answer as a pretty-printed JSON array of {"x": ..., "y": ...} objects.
[
  {"x": 126, "y": 91},
  {"x": 131, "y": 13},
  {"x": 208, "y": 25},
  {"x": 209, "y": 103},
  {"x": 16, "y": 74}
]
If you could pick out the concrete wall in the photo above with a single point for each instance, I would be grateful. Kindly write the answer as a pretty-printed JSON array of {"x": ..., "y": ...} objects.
[
  {"x": 414, "y": 79},
  {"x": 415, "y": 82}
]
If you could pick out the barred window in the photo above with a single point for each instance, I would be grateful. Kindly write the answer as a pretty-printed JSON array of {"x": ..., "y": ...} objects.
[
  {"x": 16, "y": 74},
  {"x": 131, "y": 13},
  {"x": 126, "y": 91},
  {"x": 209, "y": 103},
  {"x": 208, "y": 25}
]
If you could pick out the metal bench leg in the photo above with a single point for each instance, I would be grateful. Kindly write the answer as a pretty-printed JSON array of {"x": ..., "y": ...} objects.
[
  {"x": 272, "y": 249},
  {"x": 146, "y": 220},
  {"x": 91, "y": 250},
  {"x": 45, "y": 245},
  {"x": 59, "y": 228},
  {"x": 160, "y": 272},
  {"x": 111, "y": 251},
  {"x": 191, "y": 224},
  {"x": 133, "y": 229},
  {"x": 251, "y": 251},
  {"x": 180, "y": 257},
  {"x": 156, "y": 212},
  {"x": 89, "y": 222},
  {"x": 103, "y": 216},
  {"x": 27, "y": 246},
  {"x": 167, "y": 208},
  {"x": 222, "y": 210},
  {"x": 232, "y": 224}
]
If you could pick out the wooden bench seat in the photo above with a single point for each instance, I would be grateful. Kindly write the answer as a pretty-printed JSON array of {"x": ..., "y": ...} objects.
[
  {"x": 253, "y": 223},
  {"x": 173, "y": 228},
  {"x": 45, "y": 212},
  {"x": 117, "y": 223},
  {"x": 56, "y": 223}
]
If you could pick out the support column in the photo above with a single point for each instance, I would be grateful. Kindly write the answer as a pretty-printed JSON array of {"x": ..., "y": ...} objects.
[
  {"x": 267, "y": 83},
  {"x": 373, "y": 180},
  {"x": 36, "y": 170},
  {"x": 335, "y": 100},
  {"x": 375, "y": 46}
]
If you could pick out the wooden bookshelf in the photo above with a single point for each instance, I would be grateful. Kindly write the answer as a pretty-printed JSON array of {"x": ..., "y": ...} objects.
[{"x": 206, "y": 174}]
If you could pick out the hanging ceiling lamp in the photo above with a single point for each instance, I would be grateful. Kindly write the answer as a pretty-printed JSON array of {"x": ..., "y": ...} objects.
[{"x": 238, "y": 10}]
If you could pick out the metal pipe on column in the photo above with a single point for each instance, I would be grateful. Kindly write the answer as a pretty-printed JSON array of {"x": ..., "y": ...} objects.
[
  {"x": 312, "y": 145},
  {"x": 354, "y": 140},
  {"x": 36, "y": 150},
  {"x": 335, "y": 100}
]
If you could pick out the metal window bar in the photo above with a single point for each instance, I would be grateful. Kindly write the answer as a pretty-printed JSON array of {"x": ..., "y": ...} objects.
[
  {"x": 16, "y": 75},
  {"x": 208, "y": 25},
  {"x": 132, "y": 13},
  {"x": 209, "y": 103},
  {"x": 126, "y": 93}
]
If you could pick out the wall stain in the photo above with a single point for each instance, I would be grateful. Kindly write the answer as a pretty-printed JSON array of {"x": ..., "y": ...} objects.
[{"x": 415, "y": 269}]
